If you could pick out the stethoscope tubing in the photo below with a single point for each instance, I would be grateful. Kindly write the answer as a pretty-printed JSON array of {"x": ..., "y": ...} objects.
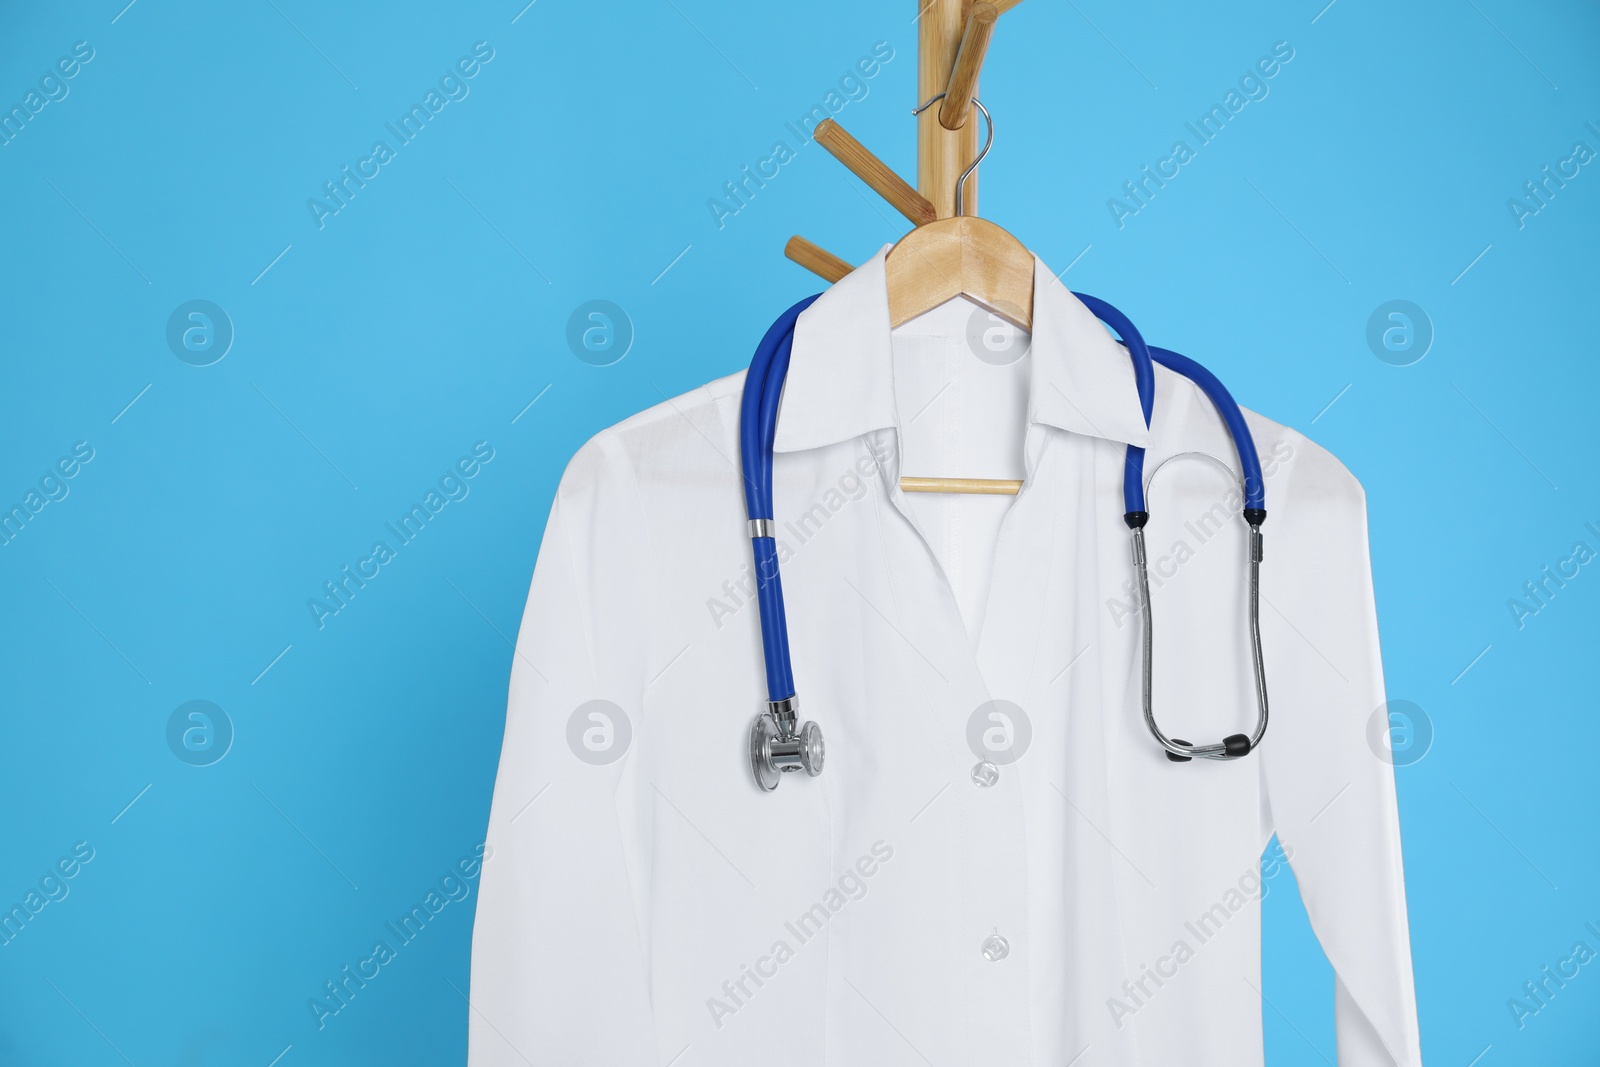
[
  {"x": 1144, "y": 379},
  {"x": 1249, "y": 462},
  {"x": 758, "y": 426}
]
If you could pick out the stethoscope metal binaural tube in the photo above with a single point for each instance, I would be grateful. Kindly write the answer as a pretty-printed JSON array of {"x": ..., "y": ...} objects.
[
  {"x": 1234, "y": 746},
  {"x": 778, "y": 742}
]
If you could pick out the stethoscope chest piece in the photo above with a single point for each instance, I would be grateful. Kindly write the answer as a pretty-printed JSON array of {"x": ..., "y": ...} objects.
[{"x": 777, "y": 746}]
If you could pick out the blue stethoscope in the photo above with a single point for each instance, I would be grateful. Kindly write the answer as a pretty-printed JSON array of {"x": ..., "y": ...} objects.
[{"x": 778, "y": 741}]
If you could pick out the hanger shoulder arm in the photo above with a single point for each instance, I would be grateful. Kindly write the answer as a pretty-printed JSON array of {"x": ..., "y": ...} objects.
[{"x": 960, "y": 256}]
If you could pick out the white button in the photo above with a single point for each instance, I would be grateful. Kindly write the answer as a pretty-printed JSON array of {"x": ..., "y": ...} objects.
[
  {"x": 985, "y": 774},
  {"x": 996, "y": 948}
]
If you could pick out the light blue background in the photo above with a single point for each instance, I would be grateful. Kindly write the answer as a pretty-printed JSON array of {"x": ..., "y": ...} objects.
[{"x": 431, "y": 310}]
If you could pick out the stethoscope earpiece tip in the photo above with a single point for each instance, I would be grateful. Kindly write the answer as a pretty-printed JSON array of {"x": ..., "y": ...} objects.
[{"x": 1233, "y": 746}]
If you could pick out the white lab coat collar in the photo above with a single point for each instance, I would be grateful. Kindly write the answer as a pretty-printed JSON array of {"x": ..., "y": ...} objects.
[{"x": 840, "y": 382}]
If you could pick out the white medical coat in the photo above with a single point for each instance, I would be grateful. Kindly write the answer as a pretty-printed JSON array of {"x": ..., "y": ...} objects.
[{"x": 644, "y": 903}]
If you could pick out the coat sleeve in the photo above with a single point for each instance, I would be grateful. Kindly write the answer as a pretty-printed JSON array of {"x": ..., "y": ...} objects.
[
  {"x": 1330, "y": 786},
  {"x": 558, "y": 969}
]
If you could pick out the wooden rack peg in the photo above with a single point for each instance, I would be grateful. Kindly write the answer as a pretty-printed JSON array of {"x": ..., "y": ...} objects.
[
  {"x": 818, "y": 261},
  {"x": 875, "y": 172},
  {"x": 957, "y": 103}
]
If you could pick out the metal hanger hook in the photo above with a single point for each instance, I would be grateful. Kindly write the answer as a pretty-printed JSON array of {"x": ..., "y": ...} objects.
[{"x": 988, "y": 142}]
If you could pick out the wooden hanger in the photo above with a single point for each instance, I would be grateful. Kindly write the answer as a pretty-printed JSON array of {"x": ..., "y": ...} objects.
[
  {"x": 962, "y": 255},
  {"x": 943, "y": 257}
]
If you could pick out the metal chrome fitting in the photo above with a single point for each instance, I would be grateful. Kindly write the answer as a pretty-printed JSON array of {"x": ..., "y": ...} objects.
[{"x": 776, "y": 746}]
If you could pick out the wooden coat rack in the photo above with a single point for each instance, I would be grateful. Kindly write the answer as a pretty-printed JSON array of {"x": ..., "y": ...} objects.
[{"x": 952, "y": 39}]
